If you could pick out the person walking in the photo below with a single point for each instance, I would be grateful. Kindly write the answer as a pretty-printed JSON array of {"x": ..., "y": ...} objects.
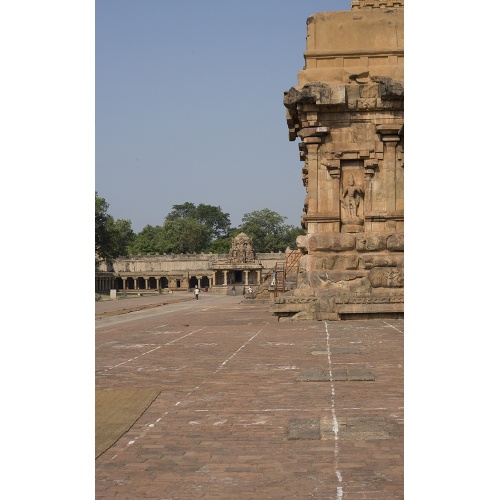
[
  {"x": 233, "y": 291},
  {"x": 196, "y": 292}
]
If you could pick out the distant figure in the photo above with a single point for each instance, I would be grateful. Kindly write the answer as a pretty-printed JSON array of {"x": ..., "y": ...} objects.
[
  {"x": 196, "y": 292},
  {"x": 233, "y": 291},
  {"x": 250, "y": 292}
]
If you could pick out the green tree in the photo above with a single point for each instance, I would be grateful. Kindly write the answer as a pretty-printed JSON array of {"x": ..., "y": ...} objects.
[
  {"x": 291, "y": 239},
  {"x": 185, "y": 235},
  {"x": 269, "y": 231},
  {"x": 223, "y": 244},
  {"x": 183, "y": 211},
  {"x": 213, "y": 217},
  {"x": 210, "y": 216},
  {"x": 122, "y": 236},
  {"x": 103, "y": 239},
  {"x": 111, "y": 237},
  {"x": 149, "y": 240}
]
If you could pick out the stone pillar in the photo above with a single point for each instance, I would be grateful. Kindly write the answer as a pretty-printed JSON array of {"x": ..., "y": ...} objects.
[
  {"x": 258, "y": 276},
  {"x": 312, "y": 182},
  {"x": 246, "y": 277},
  {"x": 225, "y": 277},
  {"x": 390, "y": 138},
  {"x": 135, "y": 283},
  {"x": 390, "y": 143},
  {"x": 333, "y": 167}
]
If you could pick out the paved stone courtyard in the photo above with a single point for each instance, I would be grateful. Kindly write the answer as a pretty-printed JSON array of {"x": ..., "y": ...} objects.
[{"x": 250, "y": 408}]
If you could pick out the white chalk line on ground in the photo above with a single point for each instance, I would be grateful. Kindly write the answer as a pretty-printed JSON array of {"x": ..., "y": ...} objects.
[
  {"x": 148, "y": 352},
  {"x": 177, "y": 308},
  {"x": 220, "y": 367},
  {"x": 303, "y": 410},
  {"x": 392, "y": 326},
  {"x": 335, "y": 425}
]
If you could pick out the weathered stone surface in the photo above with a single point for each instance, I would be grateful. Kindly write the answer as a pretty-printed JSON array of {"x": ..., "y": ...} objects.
[
  {"x": 347, "y": 429},
  {"x": 387, "y": 278},
  {"x": 315, "y": 93},
  {"x": 367, "y": 242},
  {"x": 339, "y": 375},
  {"x": 348, "y": 110},
  {"x": 335, "y": 351},
  {"x": 336, "y": 242},
  {"x": 356, "y": 428},
  {"x": 304, "y": 428},
  {"x": 384, "y": 260},
  {"x": 396, "y": 242},
  {"x": 337, "y": 262}
]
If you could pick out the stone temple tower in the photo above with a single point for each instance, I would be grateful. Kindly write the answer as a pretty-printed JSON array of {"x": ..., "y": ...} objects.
[{"x": 347, "y": 109}]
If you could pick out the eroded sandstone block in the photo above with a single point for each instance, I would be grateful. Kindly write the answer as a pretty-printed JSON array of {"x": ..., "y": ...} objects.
[{"x": 348, "y": 111}]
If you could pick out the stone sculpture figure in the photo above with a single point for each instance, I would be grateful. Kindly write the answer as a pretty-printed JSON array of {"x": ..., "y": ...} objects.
[
  {"x": 351, "y": 198},
  {"x": 242, "y": 249}
]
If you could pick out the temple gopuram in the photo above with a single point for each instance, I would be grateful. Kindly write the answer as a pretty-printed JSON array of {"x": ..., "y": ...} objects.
[
  {"x": 240, "y": 268},
  {"x": 347, "y": 110}
]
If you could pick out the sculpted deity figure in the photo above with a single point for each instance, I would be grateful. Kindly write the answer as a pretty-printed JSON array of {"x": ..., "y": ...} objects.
[{"x": 351, "y": 198}]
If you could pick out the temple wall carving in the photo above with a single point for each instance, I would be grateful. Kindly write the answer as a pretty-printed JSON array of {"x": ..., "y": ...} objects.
[{"x": 347, "y": 110}]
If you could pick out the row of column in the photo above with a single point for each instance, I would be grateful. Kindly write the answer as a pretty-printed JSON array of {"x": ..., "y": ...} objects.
[
  {"x": 246, "y": 276},
  {"x": 104, "y": 283},
  {"x": 108, "y": 283},
  {"x": 170, "y": 280}
]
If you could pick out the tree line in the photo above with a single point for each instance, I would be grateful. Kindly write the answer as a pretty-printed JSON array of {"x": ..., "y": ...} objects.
[{"x": 189, "y": 228}]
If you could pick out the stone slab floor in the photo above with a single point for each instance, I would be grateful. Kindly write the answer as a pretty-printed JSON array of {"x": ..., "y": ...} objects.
[{"x": 240, "y": 412}]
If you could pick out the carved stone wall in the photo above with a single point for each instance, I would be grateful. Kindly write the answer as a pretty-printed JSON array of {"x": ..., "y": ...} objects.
[{"x": 347, "y": 109}]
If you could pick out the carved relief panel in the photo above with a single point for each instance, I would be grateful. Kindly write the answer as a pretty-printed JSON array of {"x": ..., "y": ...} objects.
[{"x": 352, "y": 194}]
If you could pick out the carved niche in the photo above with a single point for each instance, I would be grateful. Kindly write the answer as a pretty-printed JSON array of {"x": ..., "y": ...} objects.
[{"x": 352, "y": 201}]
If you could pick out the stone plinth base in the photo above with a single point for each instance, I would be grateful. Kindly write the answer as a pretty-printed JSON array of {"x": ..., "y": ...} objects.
[{"x": 331, "y": 306}]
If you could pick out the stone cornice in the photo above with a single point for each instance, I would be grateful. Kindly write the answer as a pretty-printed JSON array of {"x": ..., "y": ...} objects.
[{"x": 322, "y": 54}]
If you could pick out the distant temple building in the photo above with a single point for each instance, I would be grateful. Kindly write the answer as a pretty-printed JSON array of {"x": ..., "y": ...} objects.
[
  {"x": 218, "y": 273},
  {"x": 348, "y": 111}
]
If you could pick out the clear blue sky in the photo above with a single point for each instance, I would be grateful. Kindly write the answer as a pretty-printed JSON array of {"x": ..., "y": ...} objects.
[{"x": 189, "y": 105}]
